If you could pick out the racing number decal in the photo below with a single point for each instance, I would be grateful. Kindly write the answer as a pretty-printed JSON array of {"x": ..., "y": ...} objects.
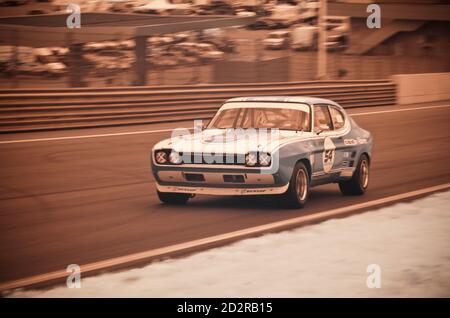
[{"x": 329, "y": 154}]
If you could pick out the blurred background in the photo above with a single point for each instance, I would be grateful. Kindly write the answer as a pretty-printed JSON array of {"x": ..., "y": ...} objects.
[{"x": 269, "y": 41}]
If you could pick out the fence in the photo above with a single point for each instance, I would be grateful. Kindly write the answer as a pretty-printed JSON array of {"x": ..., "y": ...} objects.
[{"x": 111, "y": 63}]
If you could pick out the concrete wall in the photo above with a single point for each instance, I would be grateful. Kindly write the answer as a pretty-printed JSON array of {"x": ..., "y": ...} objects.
[
  {"x": 418, "y": 88},
  {"x": 430, "y": 40}
]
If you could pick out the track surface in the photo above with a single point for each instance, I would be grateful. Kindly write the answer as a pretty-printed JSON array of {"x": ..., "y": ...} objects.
[{"x": 82, "y": 200}]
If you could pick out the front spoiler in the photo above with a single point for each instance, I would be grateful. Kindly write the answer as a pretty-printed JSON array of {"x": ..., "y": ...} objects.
[{"x": 221, "y": 191}]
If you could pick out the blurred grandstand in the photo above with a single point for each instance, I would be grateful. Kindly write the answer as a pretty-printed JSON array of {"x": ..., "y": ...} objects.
[{"x": 123, "y": 43}]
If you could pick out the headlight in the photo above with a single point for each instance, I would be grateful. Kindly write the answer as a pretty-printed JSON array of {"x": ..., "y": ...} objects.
[
  {"x": 161, "y": 157},
  {"x": 251, "y": 159},
  {"x": 264, "y": 159},
  {"x": 175, "y": 158}
]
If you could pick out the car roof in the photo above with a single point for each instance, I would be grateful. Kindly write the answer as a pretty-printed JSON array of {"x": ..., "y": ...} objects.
[{"x": 286, "y": 99}]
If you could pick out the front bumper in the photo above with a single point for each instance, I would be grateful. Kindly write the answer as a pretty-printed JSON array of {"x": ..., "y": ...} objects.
[
  {"x": 218, "y": 181},
  {"x": 221, "y": 191}
]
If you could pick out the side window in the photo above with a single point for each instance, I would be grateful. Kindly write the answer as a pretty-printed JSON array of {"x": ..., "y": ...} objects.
[
  {"x": 304, "y": 121},
  {"x": 337, "y": 117},
  {"x": 322, "y": 120}
]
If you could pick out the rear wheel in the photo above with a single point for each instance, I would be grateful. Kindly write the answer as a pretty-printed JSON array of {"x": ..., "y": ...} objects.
[
  {"x": 358, "y": 184},
  {"x": 173, "y": 198},
  {"x": 298, "y": 191}
]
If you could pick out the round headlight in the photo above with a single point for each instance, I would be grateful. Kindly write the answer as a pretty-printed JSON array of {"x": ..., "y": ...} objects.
[
  {"x": 251, "y": 159},
  {"x": 264, "y": 159},
  {"x": 161, "y": 157},
  {"x": 175, "y": 157}
]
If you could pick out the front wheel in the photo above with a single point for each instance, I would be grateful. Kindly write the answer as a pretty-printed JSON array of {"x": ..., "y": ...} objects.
[
  {"x": 298, "y": 191},
  {"x": 173, "y": 198},
  {"x": 358, "y": 184}
]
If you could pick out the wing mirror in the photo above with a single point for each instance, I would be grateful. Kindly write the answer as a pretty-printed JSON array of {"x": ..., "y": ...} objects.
[{"x": 200, "y": 125}]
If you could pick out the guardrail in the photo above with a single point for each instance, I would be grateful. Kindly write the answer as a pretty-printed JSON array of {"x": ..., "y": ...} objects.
[
  {"x": 34, "y": 110},
  {"x": 165, "y": 87}
]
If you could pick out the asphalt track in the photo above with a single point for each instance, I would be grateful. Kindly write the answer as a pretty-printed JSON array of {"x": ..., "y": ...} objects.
[{"x": 83, "y": 196}]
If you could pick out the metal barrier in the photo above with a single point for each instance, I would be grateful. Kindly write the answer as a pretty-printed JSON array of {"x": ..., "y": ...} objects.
[{"x": 48, "y": 109}]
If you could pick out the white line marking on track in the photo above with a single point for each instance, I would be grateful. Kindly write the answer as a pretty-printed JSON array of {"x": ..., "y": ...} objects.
[
  {"x": 166, "y": 130},
  {"x": 398, "y": 110},
  {"x": 88, "y": 136},
  {"x": 147, "y": 255}
]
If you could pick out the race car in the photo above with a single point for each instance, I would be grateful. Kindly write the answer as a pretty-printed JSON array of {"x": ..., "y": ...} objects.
[{"x": 277, "y": 146}]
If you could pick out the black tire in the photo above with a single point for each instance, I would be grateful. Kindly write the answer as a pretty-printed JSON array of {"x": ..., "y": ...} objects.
[
  {"x": 358, "y": 184},
  {"x": 173, "y": 198},
  {"x": 298, "y": 192}
]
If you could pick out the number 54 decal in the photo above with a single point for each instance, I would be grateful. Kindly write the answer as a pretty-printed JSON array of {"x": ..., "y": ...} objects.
[{"x": 328, "y": 154}]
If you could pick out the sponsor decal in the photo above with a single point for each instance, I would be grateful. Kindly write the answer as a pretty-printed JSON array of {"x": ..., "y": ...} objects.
[
  {"x": 254, "y": 191},
  {"x": 350, "y": 142},
  {"x": 362, "y": 140},
  {"x": 329, "y": 154},
  {"x": 186, "y": 189}
]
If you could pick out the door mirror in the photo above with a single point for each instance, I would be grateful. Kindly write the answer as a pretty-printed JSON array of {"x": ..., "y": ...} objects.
[{"x": 200, "y": 125}]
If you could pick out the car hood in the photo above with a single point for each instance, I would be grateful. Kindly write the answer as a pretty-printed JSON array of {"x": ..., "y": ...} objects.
[{"x": 219, "y": 141}]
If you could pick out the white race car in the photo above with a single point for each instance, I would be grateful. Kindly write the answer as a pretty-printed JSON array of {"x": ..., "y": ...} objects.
[{"x": 265, "y": 146}]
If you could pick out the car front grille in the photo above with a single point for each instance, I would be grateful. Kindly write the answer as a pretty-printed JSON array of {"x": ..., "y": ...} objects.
[{"x": 211, "y": 159}]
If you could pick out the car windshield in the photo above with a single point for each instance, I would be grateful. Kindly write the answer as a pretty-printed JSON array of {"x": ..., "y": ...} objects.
[{"x": 262, "y": 117}]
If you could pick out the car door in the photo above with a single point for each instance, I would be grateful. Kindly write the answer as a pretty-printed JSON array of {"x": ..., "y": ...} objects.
[
  {"x": 324, "y": 152},
  {"x": 340, "y": 128},
  {"x": 345, "y": 141},
  {"x": 330, "y": 125}
]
